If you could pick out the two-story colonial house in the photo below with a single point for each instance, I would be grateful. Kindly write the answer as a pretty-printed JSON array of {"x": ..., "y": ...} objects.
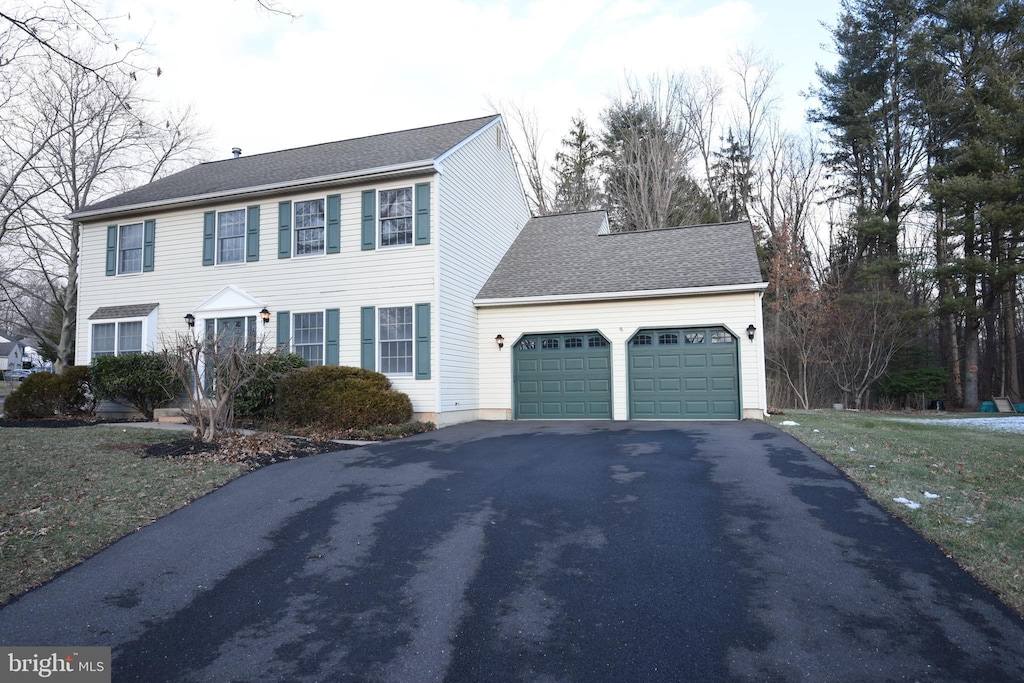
[{"x": 414, "y": 253}]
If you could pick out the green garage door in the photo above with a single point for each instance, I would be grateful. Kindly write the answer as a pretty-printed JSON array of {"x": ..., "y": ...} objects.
[
  {"x": 559, "y": 376},
  {"x": 688, "y": 373}
]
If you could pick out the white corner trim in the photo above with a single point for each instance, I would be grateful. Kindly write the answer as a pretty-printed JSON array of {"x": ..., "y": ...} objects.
[{"x": 615, "y": 296}]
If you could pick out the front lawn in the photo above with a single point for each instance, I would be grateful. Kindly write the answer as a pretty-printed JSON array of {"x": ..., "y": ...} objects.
[
  {"x": 968, "y": 482},
  {"x": 67, "y": 493}
]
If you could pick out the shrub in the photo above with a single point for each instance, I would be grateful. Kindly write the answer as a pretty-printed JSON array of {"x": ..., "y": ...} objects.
[
  {"x": 44, "y": 395},
  {"x": 340, "y": 398},
  {"x": 256, "y": 398},
  {"x": 144, "y": 380}
]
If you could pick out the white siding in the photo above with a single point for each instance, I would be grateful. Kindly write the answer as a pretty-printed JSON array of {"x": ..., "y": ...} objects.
[
  {"x": 618, "y": 321},
  {"x": 483, "y": 208},
  {"x": 395, "y": 276}
]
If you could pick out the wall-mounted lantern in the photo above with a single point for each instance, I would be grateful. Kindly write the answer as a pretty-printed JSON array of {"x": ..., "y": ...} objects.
[
  {"x": 190, "y": 320},
  {"x": 500, "y": 342},
  {"x": 265, "y": 315},
  {"x": 750, "y": 332}
]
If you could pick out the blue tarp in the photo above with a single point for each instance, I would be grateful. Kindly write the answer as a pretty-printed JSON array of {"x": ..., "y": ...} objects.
[{"x": 987, "y": 407}]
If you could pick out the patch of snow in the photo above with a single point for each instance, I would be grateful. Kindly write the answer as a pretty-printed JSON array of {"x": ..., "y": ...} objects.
[
  {"x": 789, "y": 423},
  {"x": 871, "y": 466},
  {"x": 852, "y": 449},
  {"x": 931, "y": 495},
  {"x": 1014, "y": 425},
  {"x": 816, "y": 431},
  {"x": 909, "y": 503}
]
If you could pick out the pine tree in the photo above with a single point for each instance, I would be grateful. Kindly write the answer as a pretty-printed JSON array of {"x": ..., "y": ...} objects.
[{"x": 576, "y": 187}]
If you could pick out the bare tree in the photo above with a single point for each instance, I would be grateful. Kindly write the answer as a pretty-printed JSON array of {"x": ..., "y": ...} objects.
[
  {"x": 861, "y": 335},
  {"x": 214, "y": 368},
  {"x": 647, "y": 156},
  {"x": 524, "y": 129},
  {"x": 90, "y": 139},
  {"x": 700, "y": 104}
]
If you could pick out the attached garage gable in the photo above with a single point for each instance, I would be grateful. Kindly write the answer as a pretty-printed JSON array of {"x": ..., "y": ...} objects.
[
  {"x": 559, "y": 376},
  {"x": 687, "y": 373}
]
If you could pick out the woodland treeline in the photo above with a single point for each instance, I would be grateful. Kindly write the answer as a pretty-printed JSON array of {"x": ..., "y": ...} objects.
[
  {"x": 889, "y": 228},
  {"x": 890, "y": 231}
]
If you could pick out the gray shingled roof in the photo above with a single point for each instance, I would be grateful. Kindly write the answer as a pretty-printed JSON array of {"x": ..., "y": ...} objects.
[
  {"x": 565, "y": 255},
  {"x": 291, "y": 167},
  {"x": 130, "y": 311}
]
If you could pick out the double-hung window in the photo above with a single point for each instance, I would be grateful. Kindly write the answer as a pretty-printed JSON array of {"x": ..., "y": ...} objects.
[
  {"x": 396, "y": 340},
  {"x": 309, "y": 227},
  {"x": 129, "y": 248},
  {"x": 231, "y": 236},
  {"x": 395, "y": 213},
  {"x": 308, "y": 337},
  {"x": 116, "y": 339}
]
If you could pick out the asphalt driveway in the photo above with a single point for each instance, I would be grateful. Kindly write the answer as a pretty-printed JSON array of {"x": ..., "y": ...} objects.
[{"x": 539, "y": 551}]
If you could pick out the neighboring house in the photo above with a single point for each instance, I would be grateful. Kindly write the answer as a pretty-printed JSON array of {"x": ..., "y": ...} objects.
[
  {"x": 407, "y": 253},
  {"x": 11, "y": 354}
]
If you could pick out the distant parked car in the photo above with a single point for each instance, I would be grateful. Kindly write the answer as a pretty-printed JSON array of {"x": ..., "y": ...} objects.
[{"x": 18, "y": 374}]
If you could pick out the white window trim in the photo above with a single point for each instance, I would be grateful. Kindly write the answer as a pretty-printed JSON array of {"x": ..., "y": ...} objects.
[
  {"x": 323, "y": 331},
  {"x": 147, "y": 344},
  {"x": 142, "y": 250},
  {"x": 378, "y": 221},
  {"x": 216, "y": 237},
  {"x": 412, "y": 339},
  {"x": 295, "y": 228}
]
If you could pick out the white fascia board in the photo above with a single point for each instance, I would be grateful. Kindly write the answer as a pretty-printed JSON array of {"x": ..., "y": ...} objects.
[
  {"x": 465, "y": 141},
  {"x": 351, "y": 176},
  {"x": 617, "y": 296}
]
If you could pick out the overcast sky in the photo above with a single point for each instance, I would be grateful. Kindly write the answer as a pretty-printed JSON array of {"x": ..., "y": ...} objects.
[{"x": 346, "y": 69}]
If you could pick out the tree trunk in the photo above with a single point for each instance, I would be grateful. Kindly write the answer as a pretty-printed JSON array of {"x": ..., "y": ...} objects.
[
  {"x": 972, "y": 333},
  {"x": 1010, "y": 371}
]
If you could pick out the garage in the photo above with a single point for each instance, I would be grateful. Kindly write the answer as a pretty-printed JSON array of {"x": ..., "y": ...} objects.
[
  {"x": 562, "y": 376},
  {"x": 683, "y": 373}
]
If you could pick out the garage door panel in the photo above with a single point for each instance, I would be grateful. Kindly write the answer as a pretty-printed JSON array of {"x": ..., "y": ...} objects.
[
  {"x": 528, "y": 364},
  {"x": 697, "y": 408},
  {"x": 670, "y": 384},
  {"x": 642, "y": 409},
  {"x": 641, "y": 384},
  {"x": 574, "y": 364},
  {"x": 670, "y": 408},
  {"x": 696, "y": 384},
  {"x": 695, "y": 379},
  {"x": 642, "y": 362},
  {"x": 721, "y": 360},
  {"x": 723, "y": 383},
  {"x": 556, "y": 378}
]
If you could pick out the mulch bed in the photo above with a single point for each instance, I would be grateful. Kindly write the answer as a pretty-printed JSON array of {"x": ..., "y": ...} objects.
[
  {"x": 49, "y": 424},
  {"x": 253, "y": 451}
]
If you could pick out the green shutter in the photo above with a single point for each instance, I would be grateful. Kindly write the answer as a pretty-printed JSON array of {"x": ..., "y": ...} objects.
[
  {"x": 369, "y": 220},
  {"x": 209, "y": 237},
  {"x": 284, "y": 230},
  {"x": 284, "y": 330},
  {"x": 111, "y": 250},
  {"x": 368, "y": 324},
  {"x": 423, "y": 213},
  {"x": 332, "y": 333},
  {"x": 422, "y": 341},
  {"x": 252, "y": 233},
  {"x": 333, "y": 223},
  {"x": 148, "y": 246}
]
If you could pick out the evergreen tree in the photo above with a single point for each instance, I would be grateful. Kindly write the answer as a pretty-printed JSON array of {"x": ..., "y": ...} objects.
[{"x": 575, "y": 169}]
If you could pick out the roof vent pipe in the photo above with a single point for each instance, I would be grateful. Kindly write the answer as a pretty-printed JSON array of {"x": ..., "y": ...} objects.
[{"x": 237, "y": 151}]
